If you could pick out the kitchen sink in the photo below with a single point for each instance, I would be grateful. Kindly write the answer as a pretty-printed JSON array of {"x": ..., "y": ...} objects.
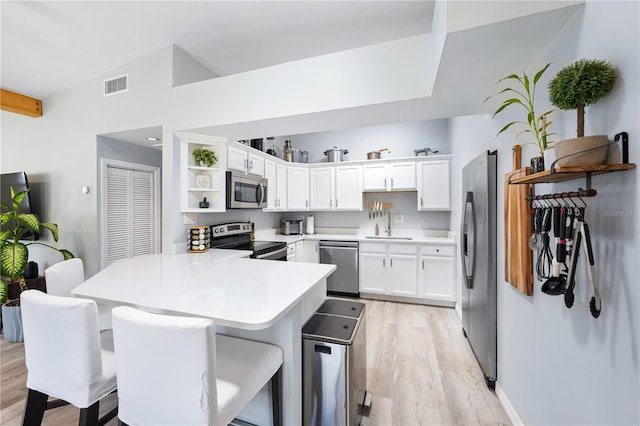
[{"x": 384, "y": 237}]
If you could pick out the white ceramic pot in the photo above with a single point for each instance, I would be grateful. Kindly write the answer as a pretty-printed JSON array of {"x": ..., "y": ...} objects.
[{"x": 585, "y": 151}]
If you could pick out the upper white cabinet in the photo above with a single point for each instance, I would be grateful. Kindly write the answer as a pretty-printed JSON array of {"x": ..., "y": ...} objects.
[
  {"x": 276, "y": 175},
  {"x": 198, "y": 182},
  {"x": 434, "y": 182},
  {"x": 297, "y": 188},
  {"x": 392, "y": 176},
  {"x": 335, "y": 188},
  {"x": 241, "y": 160}
]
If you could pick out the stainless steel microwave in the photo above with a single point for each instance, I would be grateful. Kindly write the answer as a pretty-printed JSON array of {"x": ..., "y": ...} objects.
[{"x": 246, "y": 191}]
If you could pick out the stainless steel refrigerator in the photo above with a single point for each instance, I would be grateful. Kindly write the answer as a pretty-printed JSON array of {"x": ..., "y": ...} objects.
[{"x": 479, "y": 260}]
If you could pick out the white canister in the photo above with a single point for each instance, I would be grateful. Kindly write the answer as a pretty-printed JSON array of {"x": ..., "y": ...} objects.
[{"x": 310, "y": 225}]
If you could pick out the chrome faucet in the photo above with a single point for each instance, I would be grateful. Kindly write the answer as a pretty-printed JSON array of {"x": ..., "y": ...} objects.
[{"x": 424, "y": 151}]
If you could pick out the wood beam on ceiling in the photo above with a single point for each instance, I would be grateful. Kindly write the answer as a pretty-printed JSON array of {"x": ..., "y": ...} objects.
[{"x": 20, "y": 104}]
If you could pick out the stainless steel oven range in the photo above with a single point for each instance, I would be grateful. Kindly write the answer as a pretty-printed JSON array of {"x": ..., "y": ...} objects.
[{"x": 239, "y": 236}]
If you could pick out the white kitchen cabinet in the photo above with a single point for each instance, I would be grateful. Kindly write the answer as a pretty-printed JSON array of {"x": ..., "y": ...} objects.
[
  {"x": 291, "y": 252},
  {"x": 300, "y": 254},
  {"x": 372, "y": 272},
  {"x": 393, "y": 176},
  {"x": 311, "y": 251},
  {"x": 322, "y": 183},
  {"x": 276, "y": 175},
  {"x": 335, "y": 188},
  {"x": 390, "y": 269},
  {"x": 434, "y": 182},
  {"x": 197, "y": 182},
  {"x": 297, "y": 188},
  {"x": 437, "y": 273},
  {"x": 241, "y": 160}
]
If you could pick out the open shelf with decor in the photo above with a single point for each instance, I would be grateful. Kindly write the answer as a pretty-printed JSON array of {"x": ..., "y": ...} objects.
[{"x": 202, "y": 185}]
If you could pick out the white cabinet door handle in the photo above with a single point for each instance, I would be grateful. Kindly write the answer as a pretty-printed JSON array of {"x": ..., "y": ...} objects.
[
  {"x": 385, "y": 183},
  {"x": 423, "y": 264},
  {"x": 391, "y": 262},
  {"x": 391, "y": 183},
  {"x": 306, "y": 203},
  {"x": 383, "y": 262},
  {"x": 330, "y": 203},
  {"x": 421, "y": 204},
  {"x": 336, "y": 203}
]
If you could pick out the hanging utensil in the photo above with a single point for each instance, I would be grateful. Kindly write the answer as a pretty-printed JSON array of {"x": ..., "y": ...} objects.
[{"x": 595, "y": 303}]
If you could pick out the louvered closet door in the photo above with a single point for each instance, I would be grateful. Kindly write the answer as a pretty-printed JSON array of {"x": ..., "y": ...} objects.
[{"x": 130, "y": 218}]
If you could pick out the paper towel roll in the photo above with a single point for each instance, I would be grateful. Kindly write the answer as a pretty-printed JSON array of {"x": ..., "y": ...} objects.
[{"x": 310, "y": 225}]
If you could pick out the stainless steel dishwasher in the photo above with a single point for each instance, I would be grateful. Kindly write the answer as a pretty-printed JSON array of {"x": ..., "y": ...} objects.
[{"x": 344, "y": 254}]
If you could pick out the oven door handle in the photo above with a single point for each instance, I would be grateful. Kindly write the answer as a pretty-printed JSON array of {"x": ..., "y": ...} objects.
[{"x": 274, "y": 255}]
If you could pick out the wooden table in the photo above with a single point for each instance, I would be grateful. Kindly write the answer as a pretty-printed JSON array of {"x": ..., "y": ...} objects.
[{"x": 261, "y": 300}]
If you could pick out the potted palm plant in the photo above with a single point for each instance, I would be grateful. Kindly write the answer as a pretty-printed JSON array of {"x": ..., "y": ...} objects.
[
  {"x": 576, "y": 86},
  {"x": 14, "y": 256},
  {"x": 522, "y": 93}
]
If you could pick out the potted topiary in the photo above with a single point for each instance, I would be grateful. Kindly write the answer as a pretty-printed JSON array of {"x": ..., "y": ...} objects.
[
  {"x": 204, "y": 157},
  {"x": 14, "y": 256},
  {"x": 522, "y": 93},
  {"x": 575, "y": 86}
]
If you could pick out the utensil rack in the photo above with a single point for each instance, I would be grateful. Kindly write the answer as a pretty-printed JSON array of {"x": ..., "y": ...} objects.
[{"x": 580, "y": 193}]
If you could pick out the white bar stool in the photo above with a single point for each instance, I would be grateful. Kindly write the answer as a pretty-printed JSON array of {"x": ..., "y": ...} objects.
[
  {"x": 65, "y": 357},
  {"x": 64, "y": 276},
  {"x": 176, "y": 370}
]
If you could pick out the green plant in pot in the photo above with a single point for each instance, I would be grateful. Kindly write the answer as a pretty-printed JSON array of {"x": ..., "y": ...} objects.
[
  {"x": 205, "y": 157},
  {"x": 521, "y": 93},
  {"x": 14, "y": 256},
  {"x": 576, "y": 86}
]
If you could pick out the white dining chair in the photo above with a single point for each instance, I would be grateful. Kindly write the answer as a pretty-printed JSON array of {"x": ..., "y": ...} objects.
[
  {"x": 64, "y": 276},
  {"x": 66, "y": 357},
  {"x": 176, "y": 370}
]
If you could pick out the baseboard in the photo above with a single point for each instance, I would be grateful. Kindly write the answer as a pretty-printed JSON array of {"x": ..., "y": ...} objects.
[{"x": 508, "y": 408}]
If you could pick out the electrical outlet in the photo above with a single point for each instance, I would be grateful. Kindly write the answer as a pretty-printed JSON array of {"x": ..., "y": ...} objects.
[{"x": 398, "y": 218}]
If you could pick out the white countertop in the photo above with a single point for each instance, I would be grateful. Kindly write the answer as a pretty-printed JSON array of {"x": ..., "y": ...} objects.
[
  {"x": 241, "y": 293},
  {"x": 417, "y": 237}
]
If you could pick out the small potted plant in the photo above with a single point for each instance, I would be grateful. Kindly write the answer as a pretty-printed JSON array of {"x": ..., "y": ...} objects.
[
  {"x": 522, "y": 93},
  {"x": 14, "y": 256},
  {"x": 576, "y": 86},
  {"x": 205, "y": 157}
]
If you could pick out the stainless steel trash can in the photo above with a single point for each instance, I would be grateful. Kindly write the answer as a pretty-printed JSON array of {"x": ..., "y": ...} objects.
[{"x": 334, "y": 362}]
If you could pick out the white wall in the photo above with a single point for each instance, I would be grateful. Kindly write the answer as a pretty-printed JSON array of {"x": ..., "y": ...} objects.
[
  {"x": 560, "y": 366},
  {"x": 400, "y": 138}
]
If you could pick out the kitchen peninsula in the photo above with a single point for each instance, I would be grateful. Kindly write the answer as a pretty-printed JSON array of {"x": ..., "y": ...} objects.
[{"x": 261, "y": 300}]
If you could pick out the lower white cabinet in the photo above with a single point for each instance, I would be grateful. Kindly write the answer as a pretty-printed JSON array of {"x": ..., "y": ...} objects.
[
  {"x": 437, "y": 273},
  {"x": 291, "y": 252},
  {"x": 387, "y": 268},
  {"x": 311, "y": 251},
  {"x": 411, "y": 271}
]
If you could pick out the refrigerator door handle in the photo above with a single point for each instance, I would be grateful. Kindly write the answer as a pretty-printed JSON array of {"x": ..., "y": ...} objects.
[{"x": 468, "y": 253}]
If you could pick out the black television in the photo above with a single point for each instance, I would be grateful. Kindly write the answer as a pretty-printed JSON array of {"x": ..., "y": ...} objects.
[{"x": 19, "y": 182}]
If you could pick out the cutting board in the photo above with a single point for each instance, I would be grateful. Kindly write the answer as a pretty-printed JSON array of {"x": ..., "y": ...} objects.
[{"x": 517, "y": 229}]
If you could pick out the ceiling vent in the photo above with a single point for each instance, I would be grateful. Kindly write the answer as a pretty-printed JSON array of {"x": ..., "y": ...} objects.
[{"x": 113, "y": 86}]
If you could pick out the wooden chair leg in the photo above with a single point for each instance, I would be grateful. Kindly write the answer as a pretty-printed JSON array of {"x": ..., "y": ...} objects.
[
  {"x": 89, "y": 416},
  {"x": 34, "y": 408},
  {"x": 276, "y": 397}
]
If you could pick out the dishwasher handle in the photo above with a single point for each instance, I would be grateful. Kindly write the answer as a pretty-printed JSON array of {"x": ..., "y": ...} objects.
[{"x": 346, "y": 244}]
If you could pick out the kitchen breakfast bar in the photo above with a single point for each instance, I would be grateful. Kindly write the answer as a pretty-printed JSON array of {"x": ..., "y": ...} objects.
[{"x": 261, "y": 300}]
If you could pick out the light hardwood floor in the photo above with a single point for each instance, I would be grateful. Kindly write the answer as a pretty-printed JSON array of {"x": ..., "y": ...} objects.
[{"x": 420, "y": 368}]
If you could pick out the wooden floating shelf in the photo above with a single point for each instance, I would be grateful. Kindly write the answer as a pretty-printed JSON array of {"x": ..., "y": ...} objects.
[{"x": 566, "y": 173}]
